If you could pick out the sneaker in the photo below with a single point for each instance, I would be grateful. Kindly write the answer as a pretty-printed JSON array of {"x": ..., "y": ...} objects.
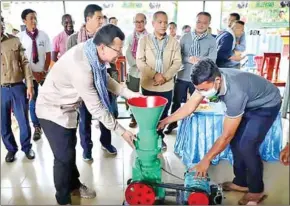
[
  {"x": 164, "y": 146},
  {"x": 84, "y": 192},
  {"x": 37, "y": 133},
  {"x": 110, "y": 149},
  {"x": 87, "y": 156},
  {"x": 30, "y": 154},
  {"x": 10, "y": 157}
]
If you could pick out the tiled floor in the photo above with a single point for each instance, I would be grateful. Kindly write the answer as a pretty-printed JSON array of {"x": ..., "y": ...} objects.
[{"x": 26, "y": 182}]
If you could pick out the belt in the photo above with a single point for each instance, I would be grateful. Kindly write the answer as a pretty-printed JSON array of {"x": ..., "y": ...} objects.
[{"x": 11, "y": 84}]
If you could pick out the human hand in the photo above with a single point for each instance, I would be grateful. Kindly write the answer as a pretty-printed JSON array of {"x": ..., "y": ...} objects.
[
  {"x": 129, "y": 137},
  {"x": 193, "y": 60},
  {"x": 236, "y": 58},
  {"x": 285, "y": 156},
  {"x": 159, "y": 79},
  {"x": 201, "y": 168},
  {"x": 29, "y": 93},
  {"x": 136, "y": 95},
  {"x": 39, "y": 76},
  {"x": 162, "y": 124}
]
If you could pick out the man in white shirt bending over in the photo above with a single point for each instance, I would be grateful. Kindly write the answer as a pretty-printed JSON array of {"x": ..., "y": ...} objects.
[{"x": 37, "y": 49}]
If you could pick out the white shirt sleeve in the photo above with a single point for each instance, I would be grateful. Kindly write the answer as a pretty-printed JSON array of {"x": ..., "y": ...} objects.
[{"x": 47, "y": 43}]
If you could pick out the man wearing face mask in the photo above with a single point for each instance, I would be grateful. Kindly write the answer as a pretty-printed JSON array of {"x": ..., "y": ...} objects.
[
  {"x": 94, "y": 21},
  {"x": 60, "y": 41},
  {"x": 253, "y": 104},
  {"x": 38, "y": 51},
  {"x": 80, "y": 75}
]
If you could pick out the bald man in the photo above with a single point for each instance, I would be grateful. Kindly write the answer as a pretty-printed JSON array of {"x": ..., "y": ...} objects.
[{"x": 133, "y": 82}]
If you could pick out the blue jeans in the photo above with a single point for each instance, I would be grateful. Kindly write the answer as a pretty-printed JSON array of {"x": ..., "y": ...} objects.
[
  {"x": 14, "y": 98},
  {"x": 32, "y": 103}
]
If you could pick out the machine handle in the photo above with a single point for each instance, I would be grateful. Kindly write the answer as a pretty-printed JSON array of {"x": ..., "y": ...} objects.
[
  {"x": 135, "y": 142},
  {"x": 159, "y": 143}
]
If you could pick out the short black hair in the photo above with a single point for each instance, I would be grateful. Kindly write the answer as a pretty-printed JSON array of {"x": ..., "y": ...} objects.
[
  {"x": 204, "y": 70},
  {"x": 26, "y": 12},
  {"x": 236, "y": 15},
  {"x": 157, "y": 13},
  {"x": 90, "y": 10},
  {"x": 239, "y": 22},
  {"x": 111, "y": 18},
  {"x": 64, "y": 17},
  {"x": 107, "y": 34},
  {"x": 2, "y": 19},
  {"x": 173, "y": 23},
  {"x": 205, "y": 14},
  {"x": 185, "y": 27}
]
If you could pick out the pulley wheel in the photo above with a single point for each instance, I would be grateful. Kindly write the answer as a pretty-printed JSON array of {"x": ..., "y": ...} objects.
[
  {"x": 140, "y": 194},
  {"x": 198, "y": 198}
]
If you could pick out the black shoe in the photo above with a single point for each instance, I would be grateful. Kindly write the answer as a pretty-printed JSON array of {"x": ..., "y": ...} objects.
[
  {"x": 170, "y": 128},
  {"x": 110, "y": 149},
  {"x": 10, "y": 157},
  {"x": 87, "y": 156},
  {"x": 133, "y": 123},
  {"x": 164, "y": 146},
  {"x": 30, "y": 154},
  {"x": 37, "y": 133}
]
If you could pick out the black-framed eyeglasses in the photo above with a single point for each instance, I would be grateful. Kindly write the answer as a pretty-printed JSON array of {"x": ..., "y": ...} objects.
[{"x": 119, "y": 52}]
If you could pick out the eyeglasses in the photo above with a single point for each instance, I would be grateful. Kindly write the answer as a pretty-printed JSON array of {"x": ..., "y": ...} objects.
[
  {"x": 119, "y": 52},
  {"x": 139, "y": 22}
]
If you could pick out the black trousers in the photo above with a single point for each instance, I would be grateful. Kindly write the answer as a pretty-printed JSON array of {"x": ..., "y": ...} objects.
[
  {"x": 180, "y": 94},
  {"x": 65, "y": 172},
  {"x": 168, "y": 96},
  {"x": 85, "y": 131}
]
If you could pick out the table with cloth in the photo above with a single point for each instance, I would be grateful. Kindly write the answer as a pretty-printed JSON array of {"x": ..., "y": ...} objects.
[{"x": 197, "y": 133}]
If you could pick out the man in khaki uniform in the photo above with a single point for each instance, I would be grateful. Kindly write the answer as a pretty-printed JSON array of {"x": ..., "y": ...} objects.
[
  {"x": 158, "y": 58},
  {"x": 14, "y": 94}
]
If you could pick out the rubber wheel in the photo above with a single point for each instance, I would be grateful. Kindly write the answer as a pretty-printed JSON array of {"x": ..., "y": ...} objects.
[
  {"x": 140, "y": 194},
  {"x": 198, "y": 198}
]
